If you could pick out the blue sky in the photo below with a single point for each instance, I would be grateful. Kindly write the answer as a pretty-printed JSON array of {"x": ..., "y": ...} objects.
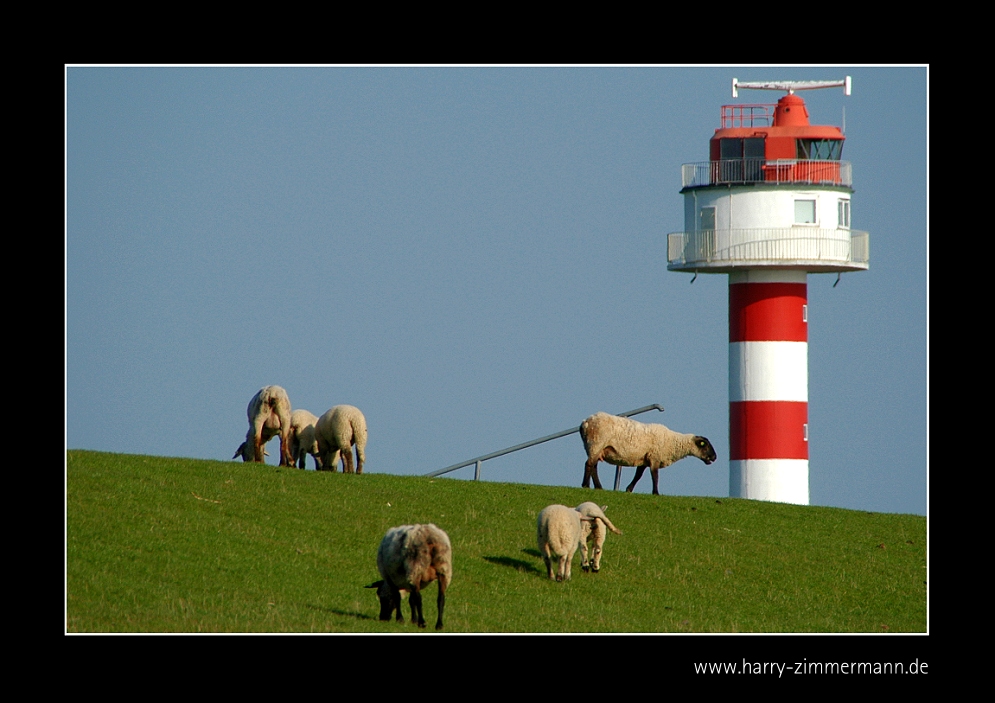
[{"x": 475, "y": 257}]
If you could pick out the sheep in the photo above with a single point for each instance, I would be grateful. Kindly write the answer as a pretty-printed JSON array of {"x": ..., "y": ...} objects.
[
  {"x": 302, "y": 439},
  {"x": 409, "y": 558},
  {"x": 336, "y": 431},
  {"x": 625, "y": 442},
  {"x": 558, "y": 534},
  {"x": 269, "y": 415},
  {"x": 594, "y": 532}
]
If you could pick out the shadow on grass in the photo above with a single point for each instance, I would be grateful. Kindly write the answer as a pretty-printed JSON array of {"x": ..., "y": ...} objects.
[
  {"x": 516, "y": 564},
  {"x": 335, "y": 611}
]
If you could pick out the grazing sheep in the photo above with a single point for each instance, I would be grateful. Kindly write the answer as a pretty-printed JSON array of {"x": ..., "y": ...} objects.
[
  {"x": 409, "y": 558},
  {"x": 594, "y": 532},
  {"x": 269, "y": 415},
  {"x": 624, "y": 442},
  {"x": 302, "y": 439},
  {"x": 336, "y": 431},
  {"x": 558, "y": 534}
]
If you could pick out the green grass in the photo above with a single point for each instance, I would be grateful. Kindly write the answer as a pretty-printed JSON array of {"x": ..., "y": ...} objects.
[{"x": 156, "y": 544}]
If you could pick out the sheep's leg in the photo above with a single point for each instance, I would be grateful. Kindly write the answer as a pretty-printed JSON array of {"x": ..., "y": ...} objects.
[
  {"x": 257, "y": 438},
  {"x": 440, "y": 601},
  {"x": 347, "y": 467},
  {"x": 360, "y": 458},
  {"x": 655, "y": 473},
  {"x": 583, "y": 556},
  {"x": 285, "y": 459},
  {"x": 635, "y": 480},
  {"x": 546, "y": 554},
  {"x": 563, "y": 570},
  {"x": 596, "y": 561},
  {"x": 416, "y": 610},
  {"x": 591, "y": 471},
  {"x": 395, "y": 595}
]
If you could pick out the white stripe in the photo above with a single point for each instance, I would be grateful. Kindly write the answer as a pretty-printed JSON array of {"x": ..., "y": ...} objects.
[
  {"x": 768, "y": 371},
  {"x": 767, "y": 276},
  {"x": 777, "y": 480}
]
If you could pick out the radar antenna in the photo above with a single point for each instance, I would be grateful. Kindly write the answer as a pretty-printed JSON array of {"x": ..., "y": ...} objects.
[{"x": 790, "y": 86}]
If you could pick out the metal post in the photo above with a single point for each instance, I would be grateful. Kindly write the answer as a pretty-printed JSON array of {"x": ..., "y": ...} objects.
[
  {"x": 618, "y": 477},
  {"x": 476, "y": 471}
]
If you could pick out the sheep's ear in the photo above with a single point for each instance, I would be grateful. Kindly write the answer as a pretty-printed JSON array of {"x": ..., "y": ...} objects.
[
  {"x": 604, "y": 508},
  {"x": 377, "y": 584}
]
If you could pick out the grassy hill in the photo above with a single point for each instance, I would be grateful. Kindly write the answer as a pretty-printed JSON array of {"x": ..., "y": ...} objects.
[{"x": 156, "y": 544}]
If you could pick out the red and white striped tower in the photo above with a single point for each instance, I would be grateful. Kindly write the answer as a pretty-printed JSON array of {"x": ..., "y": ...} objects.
[{"x": 770, "y": 206}]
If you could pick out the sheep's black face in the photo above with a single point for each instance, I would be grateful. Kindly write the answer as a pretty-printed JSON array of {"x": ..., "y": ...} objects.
[
  {"x": 705, "y": 450},
  {"x": 387, "y": 602},
  {"x": 245, "y": 451}
]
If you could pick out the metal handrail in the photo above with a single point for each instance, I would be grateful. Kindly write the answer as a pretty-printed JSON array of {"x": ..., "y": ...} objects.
[
  {"x": 769, "y": 243},
  {"x": 773, "y": 172},
  {"x": 480, "y": 459}
]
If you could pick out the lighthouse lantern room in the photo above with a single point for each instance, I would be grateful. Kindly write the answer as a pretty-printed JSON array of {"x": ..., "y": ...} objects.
[{"x": 770, "y": 206}]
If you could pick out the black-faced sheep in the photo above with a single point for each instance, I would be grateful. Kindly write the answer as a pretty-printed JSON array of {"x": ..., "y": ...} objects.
[
  {"x": 302, "y": 438},
  {"x": 594, "y": 532},
  {"x": 269, "y": 415},
  {"x": 409, "y": 558},
  {"x": 558, "y": 535},
  {"x": 336, "y": 432},
  {"x": 624, "y": 442}
]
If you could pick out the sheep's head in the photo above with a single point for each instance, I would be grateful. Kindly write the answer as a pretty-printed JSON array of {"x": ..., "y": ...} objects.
[
  {"x": 387, "y": 603},
  {"x": 245, "y": 451},
  {"x": 703, "y": 449}
]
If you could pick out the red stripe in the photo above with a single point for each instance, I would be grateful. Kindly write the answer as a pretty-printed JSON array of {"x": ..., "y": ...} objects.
[
  {"x": 767, "y": 312},
  {"x": 769, "y": 429}
]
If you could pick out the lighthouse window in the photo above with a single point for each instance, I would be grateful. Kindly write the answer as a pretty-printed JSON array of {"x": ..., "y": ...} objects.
[
  {"x": 804, "y": 212},
  {"x": 707, "y": 218},
  {"x": 742, "y": 159},
  {"x": 844, "y": 214},
  {"x": 819, "y": 149}
]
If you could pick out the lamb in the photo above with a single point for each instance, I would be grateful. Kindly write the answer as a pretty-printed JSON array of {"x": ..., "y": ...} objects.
[
  {"x": 269, "y": 415},
  {"x": 558, "y": 534},
  {"x": 302, "y": 438},
  {"x": 596, "y": 532},
  {"x": 336, "y": 431},
  {"x": 625, "y": 442},
  {"x": 409, "y": 558}
]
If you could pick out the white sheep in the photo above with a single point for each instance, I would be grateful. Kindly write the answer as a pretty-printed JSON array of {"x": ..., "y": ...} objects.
[
  {"x": 269, "y": 415},
  {"x": 336, "y": 431},
  {"x": 302, "y": 438},
  {"x": 624, "y": 442},
  {"x": 409, "y": 558},
  {"x": 558, "y": 535},
  {"x": 595, "y": 532}
]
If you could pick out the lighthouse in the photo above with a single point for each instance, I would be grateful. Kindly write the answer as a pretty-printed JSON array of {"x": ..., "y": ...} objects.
[{"x": 770, "y": 206}]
